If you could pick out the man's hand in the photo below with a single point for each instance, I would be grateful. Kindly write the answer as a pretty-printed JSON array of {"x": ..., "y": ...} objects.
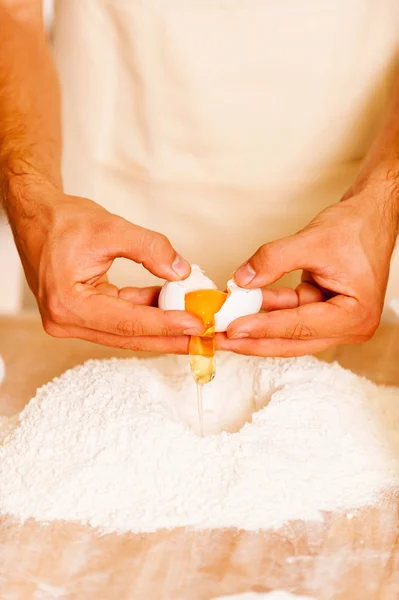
[
  {"x": 345, "y": 253},
  {"x": 67, "y": 245}
]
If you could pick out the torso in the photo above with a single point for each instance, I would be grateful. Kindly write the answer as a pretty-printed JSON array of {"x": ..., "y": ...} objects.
[{"x": 221, "y": 123}]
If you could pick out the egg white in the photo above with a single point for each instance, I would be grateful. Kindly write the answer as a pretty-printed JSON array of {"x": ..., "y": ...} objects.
[{"x": 239, "y": 302}]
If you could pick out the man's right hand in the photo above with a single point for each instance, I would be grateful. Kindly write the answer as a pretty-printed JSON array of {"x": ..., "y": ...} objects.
[{"x": 67, "y": 245}]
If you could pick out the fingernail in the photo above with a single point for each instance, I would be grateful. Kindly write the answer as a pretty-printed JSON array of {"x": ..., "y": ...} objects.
[
  {"x": 193, "y": 331},
  {"x": 181, "y": 266},
  {"x": 237, "y": 336},
  {"x": 244, "y": 274}
]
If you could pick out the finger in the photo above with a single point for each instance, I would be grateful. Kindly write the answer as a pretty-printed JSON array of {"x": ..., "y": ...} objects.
[
  {"x": 279, "y": 298},
  {"x": 308, "y": 294},
  {"x": 279, "y": 347},
  {"x": 322, "y": 319},
  {"x": 157, "y": 344},
  {"x": 307, "y": 277},
  {"x": 102, "y": 285},
  {"x": 147, "y": 295},
  {"x": 271, "y": 261},
  {"x": 150, "y": 248},
  {"x": 107, "y": 288},
  {"x": 118, "y": 316}
]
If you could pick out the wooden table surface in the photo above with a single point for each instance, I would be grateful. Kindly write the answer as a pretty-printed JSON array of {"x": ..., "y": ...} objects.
[{"x": 353, "y": 556}]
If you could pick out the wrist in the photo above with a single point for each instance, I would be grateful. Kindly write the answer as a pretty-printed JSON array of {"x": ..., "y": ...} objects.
[
  {"x": 24, "y": 189},
  {"x": 378, "y": 187}
]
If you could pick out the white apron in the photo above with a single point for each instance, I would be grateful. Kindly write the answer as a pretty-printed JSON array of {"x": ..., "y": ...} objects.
[{"x": 221, "y": 123}]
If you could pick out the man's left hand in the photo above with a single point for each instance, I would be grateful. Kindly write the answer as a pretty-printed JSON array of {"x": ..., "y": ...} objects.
[{"x": 345, "y": 255}]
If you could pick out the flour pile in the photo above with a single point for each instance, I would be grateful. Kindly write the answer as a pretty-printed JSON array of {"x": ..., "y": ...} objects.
[{"x": 111, "y": 443}]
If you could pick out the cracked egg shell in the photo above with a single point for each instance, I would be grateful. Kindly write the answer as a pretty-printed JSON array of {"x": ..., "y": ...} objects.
[{"x": 239, "y": 302}]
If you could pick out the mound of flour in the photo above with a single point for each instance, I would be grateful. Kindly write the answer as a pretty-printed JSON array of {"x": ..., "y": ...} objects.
[{"x": 112, "y": 443}]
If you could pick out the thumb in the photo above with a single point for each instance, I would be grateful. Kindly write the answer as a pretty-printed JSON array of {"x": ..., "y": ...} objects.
[
  {"x": 150, "y": 248},
  {"x": 273, "y": 260}
]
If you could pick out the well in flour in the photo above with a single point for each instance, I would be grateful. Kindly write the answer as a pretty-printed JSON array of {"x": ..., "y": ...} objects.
[{"x": 110, "y": 444}]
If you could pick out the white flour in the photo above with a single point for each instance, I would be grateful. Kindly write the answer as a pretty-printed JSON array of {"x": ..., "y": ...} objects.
[{"x": 109, "y": 443}]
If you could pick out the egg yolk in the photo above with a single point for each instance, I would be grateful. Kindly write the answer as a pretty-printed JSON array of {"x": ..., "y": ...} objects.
[{"x": 205, "y": 304}]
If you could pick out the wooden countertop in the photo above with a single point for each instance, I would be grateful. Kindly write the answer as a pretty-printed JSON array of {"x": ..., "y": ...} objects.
[{"x": 347, "y": 557}]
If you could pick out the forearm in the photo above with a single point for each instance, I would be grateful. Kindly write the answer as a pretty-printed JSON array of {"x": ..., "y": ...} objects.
[
  {"x": 30, "y": 129},
  {"x": 380, "y": 168}
]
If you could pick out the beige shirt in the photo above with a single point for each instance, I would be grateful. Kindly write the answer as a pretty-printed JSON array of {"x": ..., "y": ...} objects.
[{"x": 221, "y": 123}]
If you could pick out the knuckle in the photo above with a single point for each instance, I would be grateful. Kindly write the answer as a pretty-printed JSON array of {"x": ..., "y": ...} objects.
[
  {"x": 370, "y": 323},
  {"x": 154, "y": 244},
  {"x": 299, "y": 331},
  {"x": 127, "y": 328},
  {"x": 270, "y": 255},
  {"x": 263, "y": 253},
  {"x": 169, "y": 326},
  {"x": 137, "y": 345},
  {"x": 56, "y": 309},
  {"x": 53, "y": 329},
  {"x": 164, "y": 331},
  {"x": 352, "y": 308},
  {"x": 130, "y": 345},
  {"x": 374, "y": 321}
]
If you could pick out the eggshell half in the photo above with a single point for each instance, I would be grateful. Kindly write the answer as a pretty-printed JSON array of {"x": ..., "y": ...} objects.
[
  {"x": 239, "y": 303},
  {"x": 172, "y": 296}
]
